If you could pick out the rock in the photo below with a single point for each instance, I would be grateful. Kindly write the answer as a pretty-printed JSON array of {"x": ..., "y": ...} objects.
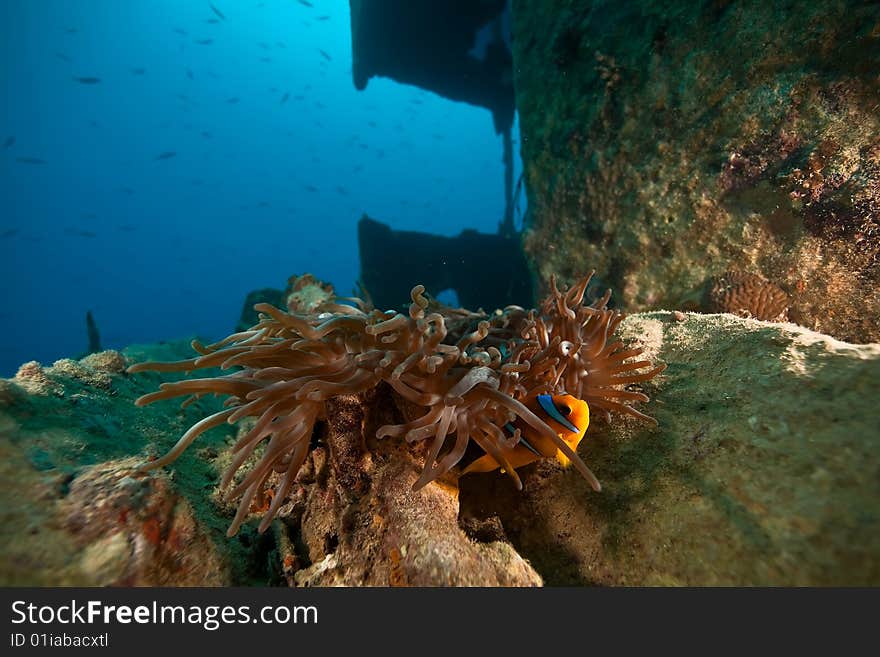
[
  {"x": 764, "y": 469},
  {"x": 134, "y": 530},
  {"x": 75, "y": 511},
  {"x": 359, "y": 523},
  {"x": 114, "y": 528},
  {"x": 665, "y": 143}
]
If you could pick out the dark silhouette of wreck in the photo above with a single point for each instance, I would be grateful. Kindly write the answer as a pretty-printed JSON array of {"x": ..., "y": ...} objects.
[{"x": 459, "y": 49}]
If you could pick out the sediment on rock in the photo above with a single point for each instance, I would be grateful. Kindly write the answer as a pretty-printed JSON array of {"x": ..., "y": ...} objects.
[{"x": 762, "y": 470}]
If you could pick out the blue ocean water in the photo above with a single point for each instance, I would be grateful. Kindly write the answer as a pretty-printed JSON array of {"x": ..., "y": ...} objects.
[{"x": 159, "y": 160}]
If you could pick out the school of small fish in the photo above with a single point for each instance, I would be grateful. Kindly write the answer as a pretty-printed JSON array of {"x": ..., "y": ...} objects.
[{"x": 217, "y": 17}]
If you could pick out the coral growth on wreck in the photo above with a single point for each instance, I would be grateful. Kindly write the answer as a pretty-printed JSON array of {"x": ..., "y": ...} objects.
[
  {"x": 474, "y": 375},
  {"x": 746, "y": 295}
]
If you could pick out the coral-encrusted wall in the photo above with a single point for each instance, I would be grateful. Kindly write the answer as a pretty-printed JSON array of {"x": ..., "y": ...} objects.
[{"x": 668, "y": 142}]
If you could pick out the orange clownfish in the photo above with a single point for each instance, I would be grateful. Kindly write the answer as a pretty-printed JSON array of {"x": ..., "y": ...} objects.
[{"x": 568, "y": 416}]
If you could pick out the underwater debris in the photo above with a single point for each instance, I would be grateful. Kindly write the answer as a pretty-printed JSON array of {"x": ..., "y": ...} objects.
[
  {"x": 471, "y": 379},
  {"x": 307, "y": 295},
  {"x": 746, "y": 295},
  {"x": 92, "y": 331}
]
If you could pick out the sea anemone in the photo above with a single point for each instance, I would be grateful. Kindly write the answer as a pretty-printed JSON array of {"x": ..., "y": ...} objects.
[{"x": 473, "y": 375}]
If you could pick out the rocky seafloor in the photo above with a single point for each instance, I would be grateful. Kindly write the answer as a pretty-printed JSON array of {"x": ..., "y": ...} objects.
[{"x": 764, "y": 470}]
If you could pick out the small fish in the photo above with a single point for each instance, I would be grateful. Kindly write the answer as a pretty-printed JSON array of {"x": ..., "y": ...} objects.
[
  {"x": 264, "y": 46},
  {"x": 299, "y": 97},
  {"x": 138, "y": 71},
  {"x": 263, "y": 204},
  {"x": 190, "y": 75},
  {"x": 285, "y": 97},
  {"x": 206, "y": 134},
  {"x": 181, "y": 31},
  {"x": 325, "y": 55},
  {"x": 341, "y": 190},
  {"x": 128, "y": 228},
  {"x": 77, "y": 232},
  {"x": 232, "y": 100},
  {"x": 217, "y": 11},
  {"x": 205, "y": 42},
  {"x": 266, "y": 59},
  {"x": 30, "y": 160},
  {"x": 87, "y": 80},
  {"x": 8, "y": 142},
  {"x": 372, "y": 124},
  {"x": 280, "y": 44},
  {"x": 165, "y": 155},
  {"x": 72, "y": 30},
  {"x": 63, "y": 57},
  {"x": 305, "y": 3},
  {"x": 323, "y": 18},
  {"x": 310, "y": 188},
  {"x": 9, "y": 232},
  {"x": 126, "y": 190},
  {"x": 566, "y": 415}
]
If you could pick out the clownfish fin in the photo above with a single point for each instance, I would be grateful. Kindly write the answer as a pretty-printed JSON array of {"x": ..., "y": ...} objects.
[{"x": 483, "y": 464}]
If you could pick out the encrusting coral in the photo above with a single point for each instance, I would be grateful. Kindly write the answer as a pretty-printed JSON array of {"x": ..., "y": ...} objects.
[
  {"x": 746, "y": 295},
  {"x": 480, "y": 383}
]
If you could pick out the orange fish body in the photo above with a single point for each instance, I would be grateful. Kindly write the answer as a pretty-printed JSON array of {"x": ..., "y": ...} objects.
[{"x": 568, "y": 416}]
